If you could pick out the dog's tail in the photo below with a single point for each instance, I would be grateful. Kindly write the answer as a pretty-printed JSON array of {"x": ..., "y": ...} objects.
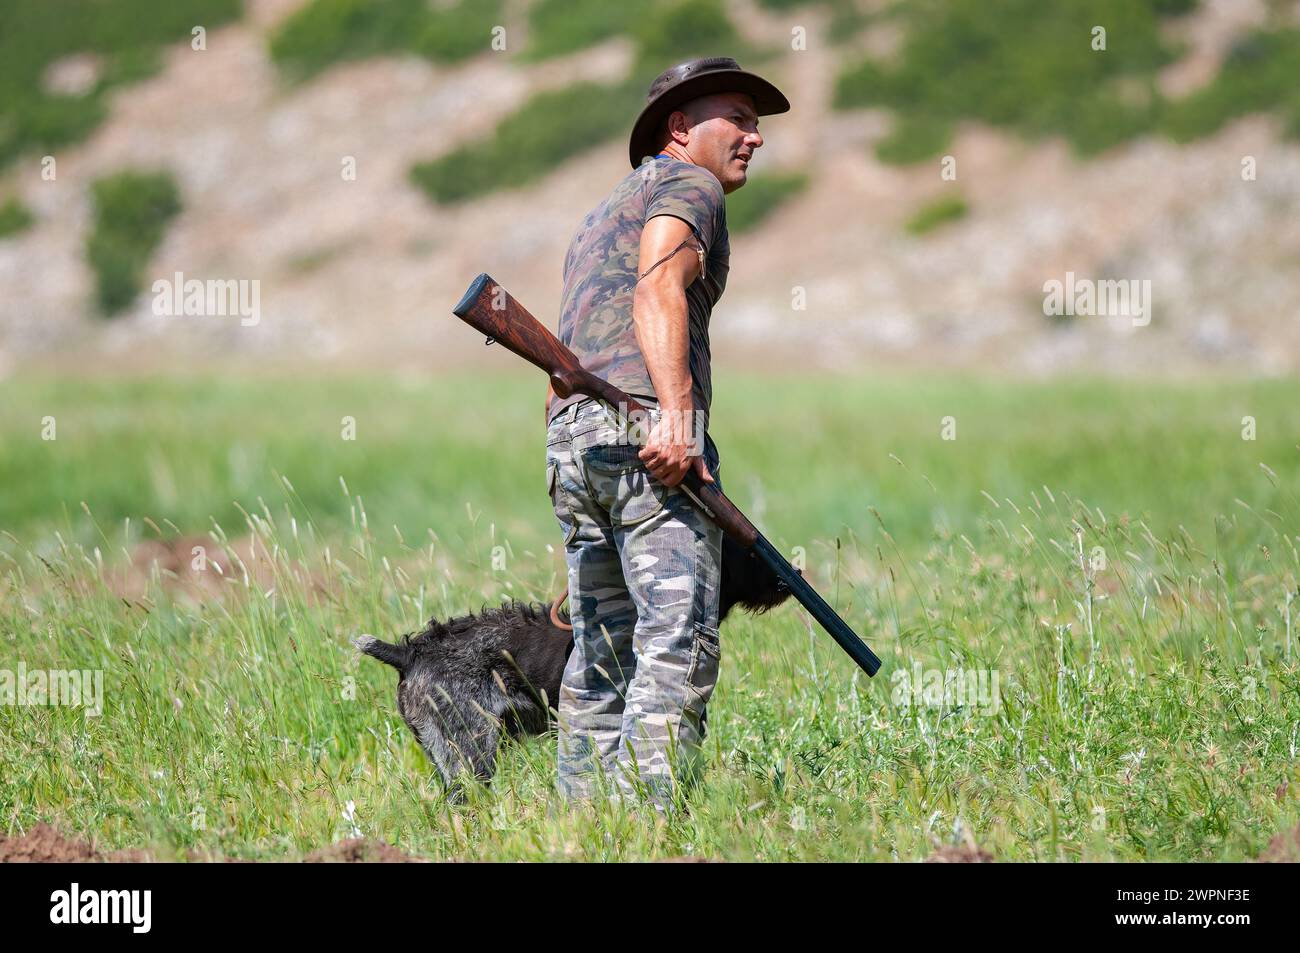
[{"x": 398, "y": 656}]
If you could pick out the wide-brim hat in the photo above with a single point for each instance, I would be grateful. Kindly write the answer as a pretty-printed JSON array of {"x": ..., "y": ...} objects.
[{"x": 690, "y": 80}]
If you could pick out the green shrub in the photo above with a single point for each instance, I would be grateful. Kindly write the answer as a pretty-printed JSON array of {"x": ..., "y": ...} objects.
[
  {"x": 563, "y": 26},
  {"x": 1107, "y": 120},
  {"x": 126, "y": 34},
  {"x": 132, "y": 210},
  {"x": 847, "y": 19},
  {"x": 325, "y": 32},
  {"x": 130, "y": 66},
  {"x": 458, "y": 32},
  {"x": 676, "y": 31},
  {"x": 1019, "y": 64},
  {"x": 1260, "y": 73},
  {"x": 762, "y": 195},
  {"x": 548, "y": 129},
  {"x": 14, "y": 218},
  {"x": 846, "y": 22},
  {"x": 47, "y": 123},
  {"x": 949, "y": 208},
  {"x": 555, "y": 126},
  {"x": 866, "y": 84},
  {"x": 913, "y": 140},
  {"x": 664, "y": 33}
]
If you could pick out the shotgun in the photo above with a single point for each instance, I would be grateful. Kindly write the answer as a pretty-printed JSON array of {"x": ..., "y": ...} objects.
[{"x": 490, "y": 309}]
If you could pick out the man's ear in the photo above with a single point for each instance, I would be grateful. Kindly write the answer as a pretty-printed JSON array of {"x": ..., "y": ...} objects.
[{"x": 679, "y": 121}]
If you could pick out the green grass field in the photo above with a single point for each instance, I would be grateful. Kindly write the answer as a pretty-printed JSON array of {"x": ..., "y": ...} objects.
[{"x": 1115, "y": 553}]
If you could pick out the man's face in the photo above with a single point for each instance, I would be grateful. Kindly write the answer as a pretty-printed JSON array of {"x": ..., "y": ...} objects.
[{"x": 723, "y": 134}]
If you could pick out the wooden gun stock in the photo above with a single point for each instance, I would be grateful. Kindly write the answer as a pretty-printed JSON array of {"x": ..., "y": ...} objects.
[{"x": 489, "y": 308}]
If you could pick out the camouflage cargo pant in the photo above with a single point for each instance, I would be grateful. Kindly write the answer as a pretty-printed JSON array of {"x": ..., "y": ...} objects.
[{"x": 644, "y": 569}]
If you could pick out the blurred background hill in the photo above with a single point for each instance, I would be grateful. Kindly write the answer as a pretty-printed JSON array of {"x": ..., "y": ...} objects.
[{"x": 364, "y": 159}]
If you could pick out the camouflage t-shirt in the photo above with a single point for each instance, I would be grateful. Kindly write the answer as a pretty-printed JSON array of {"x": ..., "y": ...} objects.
[{"x": 600, "y": 273}]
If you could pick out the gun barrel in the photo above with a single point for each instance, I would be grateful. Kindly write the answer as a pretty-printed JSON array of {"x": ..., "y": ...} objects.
[{"x": 820, "y": 610}]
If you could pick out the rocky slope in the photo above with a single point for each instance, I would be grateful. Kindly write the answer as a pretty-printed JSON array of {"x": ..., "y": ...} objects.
[{"x": 364, "y": 272}]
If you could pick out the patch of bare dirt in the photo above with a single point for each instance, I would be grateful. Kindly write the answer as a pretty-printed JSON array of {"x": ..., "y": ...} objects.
[
  {"x": 359, "y": 850},
  {"x": 1283, "y": 849},
  {"x": 688, "y": 859},
  {"x": 43, "y": 844},
  {"x": 201, "y": 569},
  {"x": 1208, "y": 35},
  {"x": 959, "y": 854}
]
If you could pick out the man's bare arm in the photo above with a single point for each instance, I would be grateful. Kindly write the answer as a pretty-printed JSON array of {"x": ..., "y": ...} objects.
[{"x": 659, "y": 314}]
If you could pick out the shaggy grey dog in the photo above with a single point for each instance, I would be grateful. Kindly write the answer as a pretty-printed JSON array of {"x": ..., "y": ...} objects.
[{"x": 464, "y": 683}]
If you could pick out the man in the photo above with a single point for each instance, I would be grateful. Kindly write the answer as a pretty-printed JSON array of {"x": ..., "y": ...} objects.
[{"x": 641, "y": 278}]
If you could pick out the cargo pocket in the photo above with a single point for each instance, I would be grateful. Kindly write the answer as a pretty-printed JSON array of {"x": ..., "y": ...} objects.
[
  {"x": 702, "y": 676},
  {"x": 560, "y": 502},
  {"x": 617, "y": 477}
]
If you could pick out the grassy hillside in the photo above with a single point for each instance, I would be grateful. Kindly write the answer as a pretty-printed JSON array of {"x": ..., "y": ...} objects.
[
  {"x": 323, "y": 33},
  {"x": 126, "y": 36}
]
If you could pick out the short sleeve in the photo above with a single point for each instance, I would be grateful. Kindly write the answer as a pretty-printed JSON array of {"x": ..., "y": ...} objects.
[{"x": 692, "y": 194}]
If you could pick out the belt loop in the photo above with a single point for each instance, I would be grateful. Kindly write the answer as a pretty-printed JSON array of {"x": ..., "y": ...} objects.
[{"x": 572, "y": 412}]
